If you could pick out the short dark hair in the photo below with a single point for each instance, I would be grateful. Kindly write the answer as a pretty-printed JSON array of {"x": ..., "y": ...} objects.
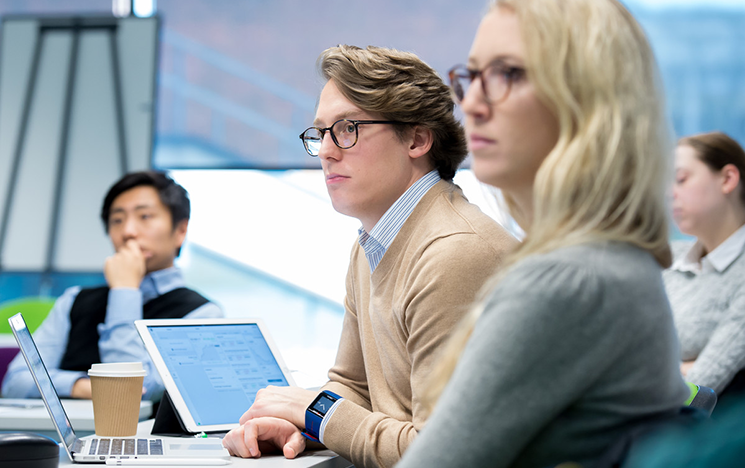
[
  {"x": 171, "y": 194},
  {"x": 399, "y": 86},
  {"x": 716, "y": 150}
]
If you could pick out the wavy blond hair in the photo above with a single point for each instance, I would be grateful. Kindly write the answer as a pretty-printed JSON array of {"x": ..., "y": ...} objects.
[{"x": 605, "y": 179}]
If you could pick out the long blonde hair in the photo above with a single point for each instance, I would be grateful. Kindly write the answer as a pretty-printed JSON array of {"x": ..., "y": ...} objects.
[{"x": 605, "y": 179}]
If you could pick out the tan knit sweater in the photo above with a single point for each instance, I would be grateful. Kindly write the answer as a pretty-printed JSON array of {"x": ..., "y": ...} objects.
[{"x": 398, "y": 318}]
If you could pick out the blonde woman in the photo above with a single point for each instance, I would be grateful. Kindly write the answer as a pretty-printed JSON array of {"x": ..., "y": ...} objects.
[
  {"x": 574, "y": 344},
  {"x": 706, "y": 284}
]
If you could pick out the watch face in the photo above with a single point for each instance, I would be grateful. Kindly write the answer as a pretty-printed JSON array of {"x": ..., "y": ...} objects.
[{"x": 323, "y": 404}]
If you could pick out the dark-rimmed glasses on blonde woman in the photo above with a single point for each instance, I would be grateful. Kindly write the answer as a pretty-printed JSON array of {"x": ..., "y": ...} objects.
[{"x": 496, "y": 81}]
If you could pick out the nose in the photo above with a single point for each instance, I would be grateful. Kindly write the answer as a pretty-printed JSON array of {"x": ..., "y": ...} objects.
[
  {"x": 328, "y": 149},
  {"x": 130, "y": 228},
  {"x": 474, "y": 102},
  {"x": 674, "y": 192}
]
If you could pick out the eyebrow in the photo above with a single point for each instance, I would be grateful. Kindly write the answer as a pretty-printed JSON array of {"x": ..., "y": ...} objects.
[
  {"x": 343, "y": 115},
  {"x": 138, "y": 207},
  {"x": 498, "y": 58}
]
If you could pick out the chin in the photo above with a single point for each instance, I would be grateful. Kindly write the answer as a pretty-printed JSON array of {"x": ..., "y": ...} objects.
[
  {"x": 342, "y": 208},
  {"x": 487, "y": 173},
  {"x": 686, "y": 229},
  {"x": 151, "y": 266},
  {"x": 490, "y": 178}
]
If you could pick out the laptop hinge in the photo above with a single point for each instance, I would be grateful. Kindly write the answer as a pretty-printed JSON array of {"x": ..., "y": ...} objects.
[{"x": 77, "y": 446}]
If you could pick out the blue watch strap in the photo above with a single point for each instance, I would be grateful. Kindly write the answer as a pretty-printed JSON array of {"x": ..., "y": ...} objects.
[{"x": 316, "y": 411}]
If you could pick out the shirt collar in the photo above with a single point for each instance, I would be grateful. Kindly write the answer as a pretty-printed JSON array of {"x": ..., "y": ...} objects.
[
  {"x": 717, "y": 260},
  {"x": 160, "y": 282},
  {"x": 382, "y": 234},
  {"x": 728, "y": 251}
]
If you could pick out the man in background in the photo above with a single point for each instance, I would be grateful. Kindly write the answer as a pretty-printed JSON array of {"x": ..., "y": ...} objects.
[{"x": 146, "y": 215}]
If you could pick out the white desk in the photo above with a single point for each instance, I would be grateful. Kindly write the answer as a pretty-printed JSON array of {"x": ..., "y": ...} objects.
[
  {"x": 7, "y": 340},
  {"x": 32, "y": 415},
  {"x": 322, "y": 459}
]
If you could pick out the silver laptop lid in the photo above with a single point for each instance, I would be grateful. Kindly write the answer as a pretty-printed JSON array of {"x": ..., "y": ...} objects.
[{"x": 43, "y": 381}]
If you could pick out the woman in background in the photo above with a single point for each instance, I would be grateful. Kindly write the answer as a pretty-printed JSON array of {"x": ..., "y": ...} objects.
[
  {"x": 705, "y": 284},
  {"x": 573, "y": 345}
]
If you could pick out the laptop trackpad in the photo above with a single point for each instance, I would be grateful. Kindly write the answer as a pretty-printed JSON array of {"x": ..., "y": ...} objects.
[{"x": 197, "y": 449}]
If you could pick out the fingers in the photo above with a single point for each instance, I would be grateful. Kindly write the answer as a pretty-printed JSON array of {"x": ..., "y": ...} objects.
[
  {"x": 251, "y": 438},
  {"x": 132, "y": 245},
  {"x": 234, "y": 442},
  {"x": 127, "y": 267},
  {"x": 280, "y": 433},
  {"x": 271, "y": 433},
  {"x": 244, "y": 418},
  {"x": 295, "y": 445}
]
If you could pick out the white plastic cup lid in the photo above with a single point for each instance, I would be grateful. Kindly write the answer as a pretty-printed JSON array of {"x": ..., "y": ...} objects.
[{"x": 117, "y": 369}]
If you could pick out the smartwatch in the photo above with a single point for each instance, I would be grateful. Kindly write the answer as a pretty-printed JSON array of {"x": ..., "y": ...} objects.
[{"x": 315, "y": 413}]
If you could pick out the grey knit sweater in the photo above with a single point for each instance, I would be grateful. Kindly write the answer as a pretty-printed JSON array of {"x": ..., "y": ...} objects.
[
  {"x": 573, "y": 349},
  {"x": 709, "y": 312}
]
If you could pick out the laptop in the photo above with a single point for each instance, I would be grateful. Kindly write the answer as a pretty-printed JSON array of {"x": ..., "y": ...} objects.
[
  {"x": 101, "y": 449},
  {"x": 212, "y": 368}
]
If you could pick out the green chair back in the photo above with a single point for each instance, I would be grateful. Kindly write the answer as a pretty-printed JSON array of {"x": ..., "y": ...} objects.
[{"x": 34, "y": 310}]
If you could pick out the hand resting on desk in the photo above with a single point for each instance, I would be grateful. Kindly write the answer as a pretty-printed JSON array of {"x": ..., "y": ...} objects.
[
  {"x": 273, "y": 423},
  {"x": 266, "y": 434}
]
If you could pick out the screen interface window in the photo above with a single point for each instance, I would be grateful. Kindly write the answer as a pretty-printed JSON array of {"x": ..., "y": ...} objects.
[
  {"x": 218, "y": 368},
  {"x": 323, "y": 404}
]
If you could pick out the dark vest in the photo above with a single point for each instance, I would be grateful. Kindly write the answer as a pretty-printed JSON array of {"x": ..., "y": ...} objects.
[{"x": 89, "y": 309}]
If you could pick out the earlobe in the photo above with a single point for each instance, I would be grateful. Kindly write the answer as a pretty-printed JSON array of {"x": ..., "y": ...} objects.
[
  {"x": 180, "y": 231},
  {"x": 731, "y": 178},
  {"x": 421, "y": 142}
]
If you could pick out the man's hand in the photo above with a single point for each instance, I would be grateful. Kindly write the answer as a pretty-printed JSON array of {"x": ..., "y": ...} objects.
[
  {"x": 287, "y": 403},
  {"x": 82, "y": 389},
  {"x": 264, "y": 434},
  {"x": 126, "y": 268}
]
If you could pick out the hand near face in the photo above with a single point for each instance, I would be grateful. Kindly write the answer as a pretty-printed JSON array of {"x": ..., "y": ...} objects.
[
  {"x": 259, "y": 435},
  {"x": 126, "y": 268},
  {"x": 288, "y": 403}
]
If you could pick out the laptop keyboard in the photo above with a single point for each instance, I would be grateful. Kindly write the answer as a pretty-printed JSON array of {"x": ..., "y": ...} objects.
[{"x": 126, "y": 447}]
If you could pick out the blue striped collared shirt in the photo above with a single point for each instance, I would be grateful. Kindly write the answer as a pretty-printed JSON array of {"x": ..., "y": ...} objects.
[{"x": 382, "y": 234}]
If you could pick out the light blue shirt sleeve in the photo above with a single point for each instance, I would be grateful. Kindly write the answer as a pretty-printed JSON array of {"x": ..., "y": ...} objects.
[
  {"x": 51, "y": 340},
  {"x": 120, "y": 342}
]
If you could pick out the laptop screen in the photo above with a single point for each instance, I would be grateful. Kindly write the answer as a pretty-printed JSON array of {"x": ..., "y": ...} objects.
[
  {"x": 217, "y": 368},
  {"x": 41, "y": 376}
]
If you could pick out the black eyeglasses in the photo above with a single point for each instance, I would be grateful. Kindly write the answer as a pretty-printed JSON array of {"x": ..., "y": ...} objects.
[
  {"x": 344, "y": 132},
  {"x": 496, "y": 81}
]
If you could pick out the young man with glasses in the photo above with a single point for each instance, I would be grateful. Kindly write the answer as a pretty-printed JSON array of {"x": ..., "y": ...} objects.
[{"x": 389, "y": 146}]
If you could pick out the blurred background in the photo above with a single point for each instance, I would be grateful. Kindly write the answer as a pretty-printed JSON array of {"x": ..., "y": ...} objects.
[{"x": 230, "y": 86}]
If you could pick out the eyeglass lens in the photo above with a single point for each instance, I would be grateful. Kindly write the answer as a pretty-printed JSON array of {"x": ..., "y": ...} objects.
[
  {"x": 495, "y": 81},
  {"x": 343, "y": 132}
]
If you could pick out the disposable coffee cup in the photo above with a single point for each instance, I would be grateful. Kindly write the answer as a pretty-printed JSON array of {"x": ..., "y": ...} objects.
[{"x": 117, "y": 392}]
